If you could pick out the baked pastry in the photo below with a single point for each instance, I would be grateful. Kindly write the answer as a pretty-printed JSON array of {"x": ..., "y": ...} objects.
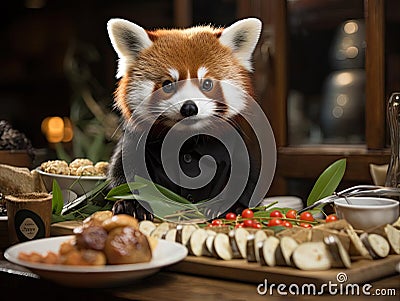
[{"x": 126, "y": 245}]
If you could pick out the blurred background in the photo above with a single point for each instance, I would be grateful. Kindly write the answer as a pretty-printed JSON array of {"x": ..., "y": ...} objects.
[{"x": 323, "y": 73}]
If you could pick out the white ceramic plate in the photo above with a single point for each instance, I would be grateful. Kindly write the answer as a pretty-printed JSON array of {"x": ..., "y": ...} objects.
[
  {"x": 3, "y": 218},
  {"x": 288, "y": 201},
  {"x": 166, "y": 253}
]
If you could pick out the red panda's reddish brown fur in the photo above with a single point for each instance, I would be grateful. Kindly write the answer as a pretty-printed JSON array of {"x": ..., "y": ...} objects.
[{"x": 186, "y": 51}]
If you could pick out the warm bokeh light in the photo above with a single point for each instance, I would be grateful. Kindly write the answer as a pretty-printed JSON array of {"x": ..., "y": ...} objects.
[
  {"x": 57, "y": 129},
  {"x": 68, "y": 131},
  {"x": 350, "y": 27},
  {"x": 344, "y": 78},
  {"x": 352, "y": 52}
]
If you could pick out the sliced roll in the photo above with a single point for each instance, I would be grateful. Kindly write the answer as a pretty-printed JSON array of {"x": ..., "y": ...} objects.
[
  {"x": 377, "y": 246},
  {"x": 340, "y": 256},
  {"x": 197, "y": 242},
  {"x": 284, "y": 251},
  {"x": 183, "y": 233},
  {"x": 222, "y": 247},
  {"x": 147, "y": 227},
  {"x": 160, "y": 231},
  {"x": 312, "y": 256},
  {"x": 269, "y": 249}
]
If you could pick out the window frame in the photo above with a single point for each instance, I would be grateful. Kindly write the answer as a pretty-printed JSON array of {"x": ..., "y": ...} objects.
[{"x": 294, "y": 161}]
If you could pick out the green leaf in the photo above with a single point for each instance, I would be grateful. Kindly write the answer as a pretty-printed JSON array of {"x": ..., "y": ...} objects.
[
  {"x": 277, "y": 229},
  {"x": 327, "y": 182},
  {"x": 168, "y": 193},
  {"x": 169, "y": 205},
  {"x": 124, "y": 190},
  {"x": 162, "y": 201},
  {"x": 57, "y": 202}
]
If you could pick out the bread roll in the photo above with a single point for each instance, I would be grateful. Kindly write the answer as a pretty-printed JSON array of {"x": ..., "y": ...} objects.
[
  {"x": 120, "y": 220},
  {"x": 125, "y": 245},
  {"x": 93, "y": 237},
  {"x": 97, "y": 218}
]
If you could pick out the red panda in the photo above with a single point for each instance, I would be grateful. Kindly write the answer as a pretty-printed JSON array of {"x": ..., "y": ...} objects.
[{"x": 183, "y": 74}]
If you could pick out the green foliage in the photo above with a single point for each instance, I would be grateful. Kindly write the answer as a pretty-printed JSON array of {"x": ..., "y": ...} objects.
[
  {"x": 164, "y": 202},
  {"x": 57, "y": 201},
  {"x": 94, "y": 123},
  {"x": 327, "y": 182}
]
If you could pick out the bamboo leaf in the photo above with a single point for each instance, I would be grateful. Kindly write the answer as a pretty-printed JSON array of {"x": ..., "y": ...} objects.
[
  {"x": 162, "y": 201},
  {"x": 165, "y": 203},
  {"x": 124, "y": 197},
  {"x": 124, "y": 190},
  {"x": 57, "y": 201},
  {"x": 168, "y": 193},
  {"x": 327, "y": 182}
]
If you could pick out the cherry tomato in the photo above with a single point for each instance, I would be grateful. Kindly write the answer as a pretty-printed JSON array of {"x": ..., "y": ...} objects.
[
  {"x": 276, "y": 213},
  {"x": 257, "y": 225},
  {"x": 305, "y": 225},
  {"x": 275, "y": 222},
  {"x": 247, "y": 213},
  {"x": 231, "y": 216},
  {"x": 216, "y": 222},
  {"x": 306, "y": 216},
  {"x": 287, "y": 224},
  {"x": 331, "y": 218},
  {"x": 239, "y": 225},
  {"x": 248, "y": 223},
  {"x": 291, "y": 214}
]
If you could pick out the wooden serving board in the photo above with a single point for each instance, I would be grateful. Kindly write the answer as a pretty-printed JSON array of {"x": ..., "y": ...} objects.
[{"x": 362, "y": 271}]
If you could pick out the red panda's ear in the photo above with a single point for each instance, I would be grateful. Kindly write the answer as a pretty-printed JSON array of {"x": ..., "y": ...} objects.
[
  {"x": 128, "y": 39},
  {"x": 242, "y": 37}
]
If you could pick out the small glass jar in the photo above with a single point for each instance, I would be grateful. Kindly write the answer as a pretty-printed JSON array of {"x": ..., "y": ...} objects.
[{"x": 393, "y": 117}]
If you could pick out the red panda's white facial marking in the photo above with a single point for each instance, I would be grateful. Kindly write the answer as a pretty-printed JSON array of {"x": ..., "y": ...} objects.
[
  {"x": 199, "y": 64},
  {"x": 172, "y": 106},
  {"x": 137, "y": 91},
  {"x": 174, "y": 74},
  {"x": 201, "y": 72},
  {"x": 235, "y": 97}
]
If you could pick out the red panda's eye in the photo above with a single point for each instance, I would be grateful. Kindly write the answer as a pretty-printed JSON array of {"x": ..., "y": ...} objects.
[
  {"x": 168, "y": 86},
  {"x": 207, "y": 85}
]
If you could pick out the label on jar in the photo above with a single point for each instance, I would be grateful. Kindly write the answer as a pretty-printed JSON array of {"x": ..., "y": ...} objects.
[{"x": 28, "y": 225}]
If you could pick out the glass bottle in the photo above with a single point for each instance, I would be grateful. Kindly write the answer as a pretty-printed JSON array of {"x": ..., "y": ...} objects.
[{"x": 393, "y": 117}]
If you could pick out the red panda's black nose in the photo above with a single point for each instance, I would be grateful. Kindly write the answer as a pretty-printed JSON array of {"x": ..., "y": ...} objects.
[{"x": 189, "y": 108}]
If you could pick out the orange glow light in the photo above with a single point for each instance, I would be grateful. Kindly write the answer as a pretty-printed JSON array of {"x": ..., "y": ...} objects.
[{"x": 57, "y": 129}]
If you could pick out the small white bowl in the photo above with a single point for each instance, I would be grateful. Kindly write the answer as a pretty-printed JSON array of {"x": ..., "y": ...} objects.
[
  {"x": 288, "y": 201},
  {"x": 367, "y": 212},
  {"x": 78, "y": 184}
]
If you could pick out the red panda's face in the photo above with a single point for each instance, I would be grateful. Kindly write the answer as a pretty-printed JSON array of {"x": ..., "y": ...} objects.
[{"x": 189, "y": 74}]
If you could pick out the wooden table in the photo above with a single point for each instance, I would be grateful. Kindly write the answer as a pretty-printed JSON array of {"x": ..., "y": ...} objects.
[
  {"x": 19, "y": 284},
  {"x": 165, "y": 285}
]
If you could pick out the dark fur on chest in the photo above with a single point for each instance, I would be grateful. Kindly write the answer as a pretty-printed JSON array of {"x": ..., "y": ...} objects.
[{"x": 190, "y": 153}]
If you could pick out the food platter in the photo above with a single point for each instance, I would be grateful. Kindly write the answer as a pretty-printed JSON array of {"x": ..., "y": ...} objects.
[
  {"x": 165, "y": 254},
  {"x": 212, "y": 262}
]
